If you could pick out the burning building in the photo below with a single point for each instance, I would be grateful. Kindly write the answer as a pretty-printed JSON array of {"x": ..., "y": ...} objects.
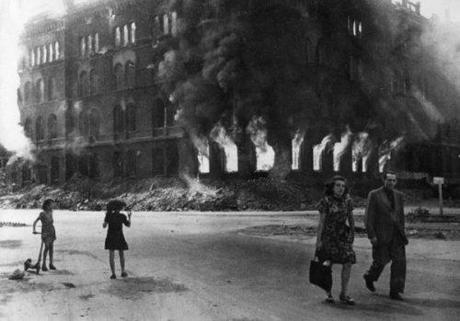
[{"x": 138, "y": 88}]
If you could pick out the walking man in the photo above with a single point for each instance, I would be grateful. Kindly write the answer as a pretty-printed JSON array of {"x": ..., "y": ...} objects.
[{"x": 385, "y": 228}]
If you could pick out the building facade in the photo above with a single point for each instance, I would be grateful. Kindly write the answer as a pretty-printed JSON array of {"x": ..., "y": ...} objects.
[{"x": 92, "y": 103}]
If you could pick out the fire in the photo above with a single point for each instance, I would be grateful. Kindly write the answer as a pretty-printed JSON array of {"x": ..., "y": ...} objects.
[
  {"x": 202, "y": 146},
  {"x": 361, "y": 150},
  {"x": 318, "y": 151},
  {"x": 265, "y": 154},
  {"x": 296, "y": 145},
  {"x": 385, "y": 151},
  {"x": 220, "y": 136},
  {"x": 340, "y": 148}
]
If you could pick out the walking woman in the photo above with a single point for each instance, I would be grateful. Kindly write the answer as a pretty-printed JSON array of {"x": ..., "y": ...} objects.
[
  {"x": 115, "y": 239},
  {"x": 48, "y": 232},
  {"x": 335, "y": 237}
]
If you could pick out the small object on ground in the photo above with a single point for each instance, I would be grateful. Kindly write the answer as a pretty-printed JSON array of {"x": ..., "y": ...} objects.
[
  {"x": 17, "y": 275},
  {"x": 69, "y": 285},
  {"x": 27, "y": 264},
  {"x": 440, "y": 235},
  {"x": 124, "y": 274},
  {"x": 113, "y": 276},
  {"x": 346, "y": 299},
  {"x": 369, "y": 283}
]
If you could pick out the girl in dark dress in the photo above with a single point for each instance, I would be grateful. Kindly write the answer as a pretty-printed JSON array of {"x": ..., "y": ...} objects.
[
  {"x": 336, "y": 233},
  {"x": 115, "y": 239},
  {"x": 48, "y": 232}
]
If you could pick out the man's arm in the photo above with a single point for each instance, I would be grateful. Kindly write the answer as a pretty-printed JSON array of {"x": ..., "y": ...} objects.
[{"x": 369, "y": 218}]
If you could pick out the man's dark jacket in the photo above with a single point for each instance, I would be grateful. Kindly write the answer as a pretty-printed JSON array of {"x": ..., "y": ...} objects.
[{"x": 382, "y": 221}]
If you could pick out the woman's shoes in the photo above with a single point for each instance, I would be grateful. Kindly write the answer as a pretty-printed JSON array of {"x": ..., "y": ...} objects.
[
  {"x": 44, "y": 268},
  {"x": 346, "y": 299},
  {"x": 52, "y": 267},
  {"x": 124, "y": 274},
  {"x": 113, "y": 276},
  {"x": 330, "y": 299}
]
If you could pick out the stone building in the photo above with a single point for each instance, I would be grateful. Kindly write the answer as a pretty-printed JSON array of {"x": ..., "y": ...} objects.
[{"x": 92, "y": 103}]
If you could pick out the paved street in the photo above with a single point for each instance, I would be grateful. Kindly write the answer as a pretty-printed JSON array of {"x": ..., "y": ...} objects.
[{"x": 197, "y": 267}]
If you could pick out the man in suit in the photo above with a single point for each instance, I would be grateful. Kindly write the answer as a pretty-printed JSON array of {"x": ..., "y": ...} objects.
[{"x": 384, "y": 221}]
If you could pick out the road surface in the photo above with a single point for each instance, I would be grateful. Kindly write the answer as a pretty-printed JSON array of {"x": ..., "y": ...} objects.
[{"x": 199, "y": 267}]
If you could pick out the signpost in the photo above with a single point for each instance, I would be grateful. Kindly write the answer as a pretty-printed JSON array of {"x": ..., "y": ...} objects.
[{"x": 439, "y": 181}]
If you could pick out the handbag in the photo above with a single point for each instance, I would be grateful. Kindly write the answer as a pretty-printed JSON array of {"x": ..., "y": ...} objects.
[{"x": 321, "y": 275}]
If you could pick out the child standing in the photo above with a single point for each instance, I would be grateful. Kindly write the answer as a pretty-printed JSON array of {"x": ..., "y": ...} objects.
[
  {"x": 48, "y": 232},
  {"x": 115, "y": 239}
]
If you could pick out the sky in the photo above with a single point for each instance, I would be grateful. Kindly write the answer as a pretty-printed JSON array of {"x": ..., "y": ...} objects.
[{"x": 14, "y": 13}]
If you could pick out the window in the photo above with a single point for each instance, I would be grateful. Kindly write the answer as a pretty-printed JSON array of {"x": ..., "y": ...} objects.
[
  {"x": 131, "y": 118},
  {"x": 51, "y": 52},
  {"x": 83, "y": 124},
  {"x": 165, "y": 24},
  {"x": 118, "y": 71},
  {"x": 96, "y": 42},
  {"x": 69, "y": 121},
  {"x": 45, "y": 54},
  {"x": 125, "y": 35},
  {"x": 51, "y": 88},
  {"x": 117, "y": 37},
  {"x": 90, "y": 44},
  {"x": 131, "y": 163},
  {"x": 83, "y": 84},
  {"x": 94, "y": 123},
  {"x": 117, "y": 163},
  {"x": 38, "y": 55},
  {"x": 27, "y": 92},
  {"x": 82, "y": 46},
  {"x": 39, "y": 91},
  {"x": 158, "y": 114},
  {"x": 118, "y": 120},
  {"x": 32, "y": 57},
  {"x": 93, "y": 166},
  {"x": 28, "y": 128},
  {"x": 130, "y": 74},
  {"x": 39, "y": 129},
  {"x": 92, "y": 82},
  {"x": 57, "y": 53},
  {"x": 174, "y": 23},
  {"x": 158, "y": 161},
  {"x": 54, "y": 174},
  {"x": 52, "y": 126},
  {"x": 133, "y": 32},
  {"x": 355, "y": 27}
]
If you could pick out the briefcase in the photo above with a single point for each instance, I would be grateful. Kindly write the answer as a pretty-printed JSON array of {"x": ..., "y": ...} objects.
[{"x": 321, "y": 275}]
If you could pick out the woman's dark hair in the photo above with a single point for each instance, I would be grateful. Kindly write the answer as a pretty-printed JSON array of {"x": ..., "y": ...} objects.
[
  {"x": 329, "y": 186},
  {"x": 47, "y": 204},
  {"x": 114, "y": 206}
]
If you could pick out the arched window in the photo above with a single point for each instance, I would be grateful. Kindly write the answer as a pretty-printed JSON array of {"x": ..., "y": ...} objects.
[
  {"x": 83, "y": 125},
  {"x": 308, "y": 51},
  {"x": 96, "y": 42},
  {"x": 130, "y": 74},
  {"x": 51, "y": 52},
  {"x": 54, "y": 174},
  {"x": 131, "y": 117},
  {"x": 27, "y": 92},
  {"x": 165, "y": 23},
  {"x": 94, "y": 123},
  {"x": 117, "y": 37},
  {"x": 118, "y": 71},
  {"x": 174, "y": 23},
  {"x": 45, "y": 54},
  {"x": 118, "y": 120},
  {"x": 32, "y": 57},
  {"x": 90, "y": 44},
  {"x": 51, "y": 88},
  {"x": 28, "y": 128},
  {"x": 132, "y": 30},
  {"x": 52, "y": 126},
  {"x": 158, "y": 114},
  {"x": 38, "y": 56},
  {"x": 131, "y": 165},
  {"x": 92, "y": 82},
  {"x": 39, "y": 91},
  {"x": 57, "y": 53},
  {"x": 82, "y": 46},
  {"x": 39, "y": 129},
  {"x": 125, "y": 35},
  {"x": 83, "y": 84}
]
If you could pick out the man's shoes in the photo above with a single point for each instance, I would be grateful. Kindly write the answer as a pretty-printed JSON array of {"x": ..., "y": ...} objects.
[
  {"x": 369, "y": 283},
  {"x": 113, "y": 277},
  {"x": 52, "y": 267},
  {"x": 44, "y": 268},
  {"x": 396, "y": 296}
]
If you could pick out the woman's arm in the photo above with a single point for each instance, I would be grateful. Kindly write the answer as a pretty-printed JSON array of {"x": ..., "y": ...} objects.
[
  {"x": 127, "y": 222},
  {"x": 322, "y": 216},
  {"x": 351, "y": 220},
  {"x": 104, "y": 225}
]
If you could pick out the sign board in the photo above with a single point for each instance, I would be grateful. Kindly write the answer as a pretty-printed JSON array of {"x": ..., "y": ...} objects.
[{"x": 438, "y": 180}]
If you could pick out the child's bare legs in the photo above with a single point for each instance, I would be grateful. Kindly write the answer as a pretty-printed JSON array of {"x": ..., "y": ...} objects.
[
  {"x": 112, "y": 261},
  {"x": 45, "y": 253},
  {"x": 122, "y": 262},
  {"x": 346, "y": 271},
  {"x": 51, "y": 255}
]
